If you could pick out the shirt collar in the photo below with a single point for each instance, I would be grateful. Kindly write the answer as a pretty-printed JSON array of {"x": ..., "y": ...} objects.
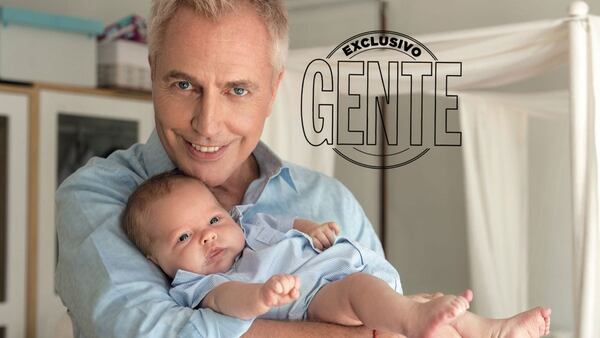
[
  {"x": 270, "y": 165},
  {"x": 155, "y": 157}
]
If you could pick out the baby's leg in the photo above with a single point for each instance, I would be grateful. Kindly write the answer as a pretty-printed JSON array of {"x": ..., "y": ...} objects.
[
  {"x": 529, "y": 324},
  {"x": 363, "y": 299}
]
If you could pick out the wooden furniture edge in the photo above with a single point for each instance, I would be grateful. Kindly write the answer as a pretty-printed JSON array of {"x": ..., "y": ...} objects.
[{"x": 32, "y": 91}]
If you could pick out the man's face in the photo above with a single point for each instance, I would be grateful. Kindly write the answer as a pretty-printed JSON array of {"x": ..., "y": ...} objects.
[
  {"x": 213, "y": 87},
  {"x": 190, "y": 230}
]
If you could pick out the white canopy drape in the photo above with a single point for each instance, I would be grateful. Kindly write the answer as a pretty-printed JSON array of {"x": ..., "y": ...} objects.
[{"x": 497, "y": 204}]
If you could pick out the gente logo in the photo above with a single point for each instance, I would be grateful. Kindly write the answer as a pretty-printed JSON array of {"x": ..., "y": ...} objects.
[{"x": 381, "y": 98}]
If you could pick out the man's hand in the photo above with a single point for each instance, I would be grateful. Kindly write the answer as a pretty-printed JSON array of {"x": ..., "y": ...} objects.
[{"x": 279, "y": 290}]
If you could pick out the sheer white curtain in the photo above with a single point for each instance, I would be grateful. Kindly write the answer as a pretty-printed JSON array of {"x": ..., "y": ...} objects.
[
  {"x": 495, "y": 153},
  {"x": 495, "y": 157}
]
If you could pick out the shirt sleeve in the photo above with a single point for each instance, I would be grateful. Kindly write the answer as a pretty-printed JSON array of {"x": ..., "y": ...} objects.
[
  {"x": 356, "y": 224},
  {"x": 110, "y": 288}
]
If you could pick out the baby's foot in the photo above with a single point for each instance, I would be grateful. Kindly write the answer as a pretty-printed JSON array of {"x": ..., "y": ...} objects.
[
  {"x": 432, "y": 315},
  {"x": 529, "y": 324}
]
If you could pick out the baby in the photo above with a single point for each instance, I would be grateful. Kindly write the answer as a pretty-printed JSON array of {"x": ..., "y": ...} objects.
[{"x": 274, "y": 271}]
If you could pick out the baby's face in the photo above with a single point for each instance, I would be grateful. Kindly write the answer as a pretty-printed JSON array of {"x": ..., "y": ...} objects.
[{"x": 190, "y": 230}]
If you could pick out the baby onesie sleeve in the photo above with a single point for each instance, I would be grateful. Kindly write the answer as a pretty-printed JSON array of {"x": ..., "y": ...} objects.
[{"x": 189, "y": 289}]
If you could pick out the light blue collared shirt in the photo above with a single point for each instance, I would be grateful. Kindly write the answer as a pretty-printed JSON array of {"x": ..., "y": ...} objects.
[{"x": 112, "y": 290}]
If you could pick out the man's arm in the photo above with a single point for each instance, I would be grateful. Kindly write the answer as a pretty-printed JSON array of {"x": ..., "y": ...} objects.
[
  {"x": 250, "y": 300},
  {"x": 110, "y": 288},
  {"x": 262, "y": 328}
]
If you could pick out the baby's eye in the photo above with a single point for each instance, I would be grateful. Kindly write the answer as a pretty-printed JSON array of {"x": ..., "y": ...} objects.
[
  {"x": 239, "y": 91},
  {"x": 214, "y": 220},
  {"x": 184, "y": 85},
  {"x": 183, "y": 237}
]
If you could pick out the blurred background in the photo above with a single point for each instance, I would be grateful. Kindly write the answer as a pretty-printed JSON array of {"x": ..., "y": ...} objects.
[{"x": 420, "y": 209}]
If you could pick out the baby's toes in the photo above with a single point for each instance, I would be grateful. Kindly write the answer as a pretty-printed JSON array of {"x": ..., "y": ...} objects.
[
  {"x": 459, "y": 306},
  {"x": 547, "y": 326},
  {"x": 468, "y": 295},
  {"x": 460, "y": 303}
]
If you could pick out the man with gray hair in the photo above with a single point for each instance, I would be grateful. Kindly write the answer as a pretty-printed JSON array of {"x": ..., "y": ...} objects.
[{"x": 216, "y": 66}]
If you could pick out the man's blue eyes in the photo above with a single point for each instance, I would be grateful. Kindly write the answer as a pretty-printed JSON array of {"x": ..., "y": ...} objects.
[
  {"x": 184, "y": 85},
  {"x": 237, "y": 91}
]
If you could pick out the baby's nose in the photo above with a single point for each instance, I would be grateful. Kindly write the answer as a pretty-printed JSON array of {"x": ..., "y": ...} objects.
[{"x": 209, "y": 237}]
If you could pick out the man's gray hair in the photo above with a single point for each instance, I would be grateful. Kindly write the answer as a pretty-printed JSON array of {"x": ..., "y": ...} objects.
[{"x": 272, "y": 12}]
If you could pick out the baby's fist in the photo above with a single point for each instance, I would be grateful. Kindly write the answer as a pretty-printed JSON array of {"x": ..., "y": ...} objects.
[
  {"x": 324, "y": 235},
  {"x": 280, "y": 290}
]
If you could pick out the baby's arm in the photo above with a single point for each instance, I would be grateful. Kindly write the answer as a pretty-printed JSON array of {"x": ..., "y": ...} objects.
[
  {"x": 323, "y": 235},
  {"x": 250, "y": 300}
]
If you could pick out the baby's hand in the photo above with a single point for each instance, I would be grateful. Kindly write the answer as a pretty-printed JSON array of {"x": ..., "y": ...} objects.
[
  {"x": 324, "y": 235},
  {"x": 280, "y": 290}
]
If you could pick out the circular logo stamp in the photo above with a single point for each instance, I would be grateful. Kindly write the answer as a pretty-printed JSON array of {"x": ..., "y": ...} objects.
[{"x": 381, "y": 99}]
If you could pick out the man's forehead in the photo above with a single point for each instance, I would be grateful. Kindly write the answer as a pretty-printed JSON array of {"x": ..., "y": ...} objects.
[{"x": 193, "y": 44}]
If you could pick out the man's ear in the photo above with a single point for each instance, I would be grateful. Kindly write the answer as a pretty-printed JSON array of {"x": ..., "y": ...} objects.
[
  {"x": 277, "y": 82},
  {"x": 152, "y": 65}
]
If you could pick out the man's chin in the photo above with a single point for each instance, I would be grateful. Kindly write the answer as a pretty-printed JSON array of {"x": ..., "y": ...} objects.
[{"x": 210, "y": 179}]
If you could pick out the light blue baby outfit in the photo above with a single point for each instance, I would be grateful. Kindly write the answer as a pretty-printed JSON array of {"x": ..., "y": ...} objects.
[{"x": 270, "y": 251}]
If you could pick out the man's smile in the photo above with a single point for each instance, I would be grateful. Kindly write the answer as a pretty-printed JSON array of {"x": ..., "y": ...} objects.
[{"x": 204, "y": 148}]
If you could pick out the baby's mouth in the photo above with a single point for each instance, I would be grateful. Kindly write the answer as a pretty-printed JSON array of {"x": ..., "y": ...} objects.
[{"x": 214, "y": 253}]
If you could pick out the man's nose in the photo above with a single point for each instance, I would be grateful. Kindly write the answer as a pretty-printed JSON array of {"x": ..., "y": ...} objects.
[
  {"x": 208, "y": 237},
  {"x": 207, "y": 116}
]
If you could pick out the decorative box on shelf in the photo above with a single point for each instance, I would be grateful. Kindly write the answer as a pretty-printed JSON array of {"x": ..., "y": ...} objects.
[
  {"x": 124, "y": 64},
  {"x": 42, "y": 47}
]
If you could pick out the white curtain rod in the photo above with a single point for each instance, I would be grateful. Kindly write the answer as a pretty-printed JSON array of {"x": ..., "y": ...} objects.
[
  {"x": 505, "y": 29},
  {"x": 490, "y": 31},
  {"x": 314, "y": 4}
]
